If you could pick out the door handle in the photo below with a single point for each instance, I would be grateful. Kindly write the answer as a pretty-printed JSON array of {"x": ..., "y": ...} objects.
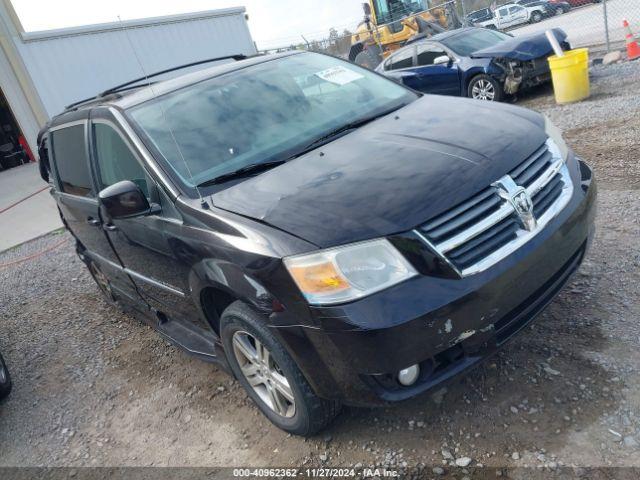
[
  {"x": 110, "y": 227},
  {"x": 94, "y": 222}
]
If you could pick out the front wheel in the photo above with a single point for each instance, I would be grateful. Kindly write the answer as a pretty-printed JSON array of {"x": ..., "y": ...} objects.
[
  {"x": 270, "y": 376},
  {"x": 485, "y": 87},
  {"x": 5, "y": 380},
  {"x": 559, "y": 11},
  {"x": 536, "y": 17}
]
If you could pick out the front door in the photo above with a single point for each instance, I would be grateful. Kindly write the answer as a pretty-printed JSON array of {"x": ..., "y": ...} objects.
[
  {"x": 142, "y": 243},
  {"x": 517, "y": 15},
  {"x": 76, "y": 198},
  {"x": 434, "y": 77}
]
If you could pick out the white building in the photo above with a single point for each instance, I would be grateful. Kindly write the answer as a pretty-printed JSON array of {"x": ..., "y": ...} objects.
[{"x": 42, "y": 72}]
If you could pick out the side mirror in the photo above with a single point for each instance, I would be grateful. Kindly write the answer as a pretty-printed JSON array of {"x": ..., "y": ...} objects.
[
  {"x": 367, "y": 9},
  {"x": 124, "y": 200},
  {"x": 441, "y": 60}
]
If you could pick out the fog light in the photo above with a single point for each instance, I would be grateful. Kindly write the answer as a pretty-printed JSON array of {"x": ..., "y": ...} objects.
[{"x": 408, "y": 376}]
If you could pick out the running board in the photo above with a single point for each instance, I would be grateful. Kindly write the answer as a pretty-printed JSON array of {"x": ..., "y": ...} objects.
[{"x": 194, "y": 340}]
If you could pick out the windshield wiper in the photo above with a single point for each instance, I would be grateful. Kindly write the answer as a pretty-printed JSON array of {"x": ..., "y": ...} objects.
[
  {"x": 242, "y": 172},
  {"x": 345, "y": 128}
]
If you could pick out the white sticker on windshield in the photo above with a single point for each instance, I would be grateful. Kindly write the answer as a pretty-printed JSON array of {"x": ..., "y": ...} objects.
[{"x": 339, "y": 75}]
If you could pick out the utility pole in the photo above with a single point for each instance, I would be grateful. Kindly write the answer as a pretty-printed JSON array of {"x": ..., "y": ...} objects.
[
  {"x": 606, "y": 25},
  {"x": 464, "y": 13}
]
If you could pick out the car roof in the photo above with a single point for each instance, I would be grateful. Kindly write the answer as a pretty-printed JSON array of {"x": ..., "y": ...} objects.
[
  {"x": 134, "y": 96},
  {"x": 452, "y": 33}
]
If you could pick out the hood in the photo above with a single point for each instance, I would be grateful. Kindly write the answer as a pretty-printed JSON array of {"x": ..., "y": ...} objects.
[
  {"x": 392, "y": 174},
  {"x": 522, "y": 47}
]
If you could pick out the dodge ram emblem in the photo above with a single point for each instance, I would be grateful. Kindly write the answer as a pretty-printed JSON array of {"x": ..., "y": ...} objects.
[
  {"x": 519, "y": 199},
  {"x": 522, "y": 203}
]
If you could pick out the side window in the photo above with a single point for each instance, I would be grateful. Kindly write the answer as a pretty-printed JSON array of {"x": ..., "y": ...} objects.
[
  {"x": 115, "y": 160},
  {"x": 403, "y": 59},
  {"x": 70, "y": 156},
  {"x": 43, "y": 156},
  {"x": 428, "y": 53},
  {"x": 515, "y": 9},
  {"x": 503, "y": 12}
]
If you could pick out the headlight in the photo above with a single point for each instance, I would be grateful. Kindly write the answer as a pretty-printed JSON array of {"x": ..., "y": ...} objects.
[
  {"x": 350, "y": 272},
  {"x": 555, "y": 134}
]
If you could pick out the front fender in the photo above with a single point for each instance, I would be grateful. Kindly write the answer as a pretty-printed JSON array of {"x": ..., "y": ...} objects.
[
  {"x": 230, "y": 278},
  {"x": 289, "y": 319},
  {"x": 476, "y": 67}
]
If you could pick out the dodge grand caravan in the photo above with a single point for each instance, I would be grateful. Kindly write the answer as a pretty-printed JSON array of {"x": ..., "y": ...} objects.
[{"x": 326, "y": 235}]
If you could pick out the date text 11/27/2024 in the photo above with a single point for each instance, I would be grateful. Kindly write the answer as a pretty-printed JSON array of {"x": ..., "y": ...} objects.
[{"x": 320, "y": 472}]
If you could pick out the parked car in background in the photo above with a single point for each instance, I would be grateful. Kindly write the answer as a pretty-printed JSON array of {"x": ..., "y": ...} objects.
[
  {"x": 551, "y": 8},
  {"x": 5, "y": 379},
  {"x": 473, "y": 62},
  {"x": 323, "y": 233},
  {"x": 481, "y": 15},
  {"x": 511, "y": 15}
]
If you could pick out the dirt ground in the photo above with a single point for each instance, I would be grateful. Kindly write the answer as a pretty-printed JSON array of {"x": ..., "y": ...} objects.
[{"x": 93, "y": 387}]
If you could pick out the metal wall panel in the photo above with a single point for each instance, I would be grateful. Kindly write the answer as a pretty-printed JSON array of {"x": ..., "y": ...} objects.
[{"x": 73, "y": 64}]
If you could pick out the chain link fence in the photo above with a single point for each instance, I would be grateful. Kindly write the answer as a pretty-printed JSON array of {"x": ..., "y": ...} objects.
[{"x": 588, "y": 23}]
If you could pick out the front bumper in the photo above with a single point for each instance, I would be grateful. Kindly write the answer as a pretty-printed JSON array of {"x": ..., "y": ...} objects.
[{"x": 446, "y": 325}]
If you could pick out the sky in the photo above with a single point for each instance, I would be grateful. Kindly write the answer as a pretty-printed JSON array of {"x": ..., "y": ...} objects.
[{"x": 273, "y": 23}]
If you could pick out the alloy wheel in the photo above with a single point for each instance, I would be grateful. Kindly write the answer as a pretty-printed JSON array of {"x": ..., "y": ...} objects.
[
  {"x": 263, "y": 374},
  {"x": 483, "y": 90},
  {"x": 559, "y": 11}
]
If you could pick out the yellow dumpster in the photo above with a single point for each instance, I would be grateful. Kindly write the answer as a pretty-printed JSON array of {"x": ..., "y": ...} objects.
[{"x": 570, "y": 74}]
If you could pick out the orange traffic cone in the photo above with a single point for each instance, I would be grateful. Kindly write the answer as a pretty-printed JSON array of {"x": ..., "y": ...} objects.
[{"x": 633, "y": 50}]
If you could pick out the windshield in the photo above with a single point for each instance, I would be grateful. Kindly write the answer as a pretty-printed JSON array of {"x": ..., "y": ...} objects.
[
  {"x": 471, "y": 41},
  {"x": 392, "y": 10},
  {"x": 261, "y": 113}
]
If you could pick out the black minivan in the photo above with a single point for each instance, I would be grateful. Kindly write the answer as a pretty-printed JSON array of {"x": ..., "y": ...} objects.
[{"x": 328, "y": 236}]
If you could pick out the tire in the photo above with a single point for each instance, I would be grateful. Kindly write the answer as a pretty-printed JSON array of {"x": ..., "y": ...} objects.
[
  {"x": 559, "y": 11},
  {"x": 103, "y": 283},
  {"x": 367, "y": 59},
  {"x": 243, "y": 331},
  {"x": 485, "y": 87},
  {"x": 5, "y": 380},
  {"x": 536, "y": 17}
]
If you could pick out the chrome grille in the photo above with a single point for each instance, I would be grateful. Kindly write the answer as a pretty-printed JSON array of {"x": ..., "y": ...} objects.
[{"x": 482, "y": 230}]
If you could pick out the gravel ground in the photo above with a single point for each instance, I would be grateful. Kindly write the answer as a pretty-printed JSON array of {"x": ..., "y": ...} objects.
[{"x": 94, "y": 387}]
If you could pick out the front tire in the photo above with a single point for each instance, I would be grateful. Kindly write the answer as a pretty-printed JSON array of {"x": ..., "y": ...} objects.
[
  {"x": 270, "y": 376},
  {"x": 536, "y": 17},
  {"x": 5, "y": 380},
  {"x": 103, "y": 283},
  {"x": 485, "y": 87}
]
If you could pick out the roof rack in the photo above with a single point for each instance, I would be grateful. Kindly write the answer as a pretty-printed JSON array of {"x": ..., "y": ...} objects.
[{"x": 130, "y": 85}]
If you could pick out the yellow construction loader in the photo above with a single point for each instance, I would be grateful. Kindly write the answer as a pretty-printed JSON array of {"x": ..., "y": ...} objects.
[{"x": 390, "y": 24}]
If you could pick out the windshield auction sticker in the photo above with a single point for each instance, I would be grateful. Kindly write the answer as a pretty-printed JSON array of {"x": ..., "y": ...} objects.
[{"x": 339, "y": 75}]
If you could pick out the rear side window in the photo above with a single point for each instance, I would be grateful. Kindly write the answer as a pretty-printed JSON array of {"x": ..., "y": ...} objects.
[
  {"x": 401, "y": 60},
  {"x": 70, "y": 155},
  {"x": 43, "y": 156}
]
